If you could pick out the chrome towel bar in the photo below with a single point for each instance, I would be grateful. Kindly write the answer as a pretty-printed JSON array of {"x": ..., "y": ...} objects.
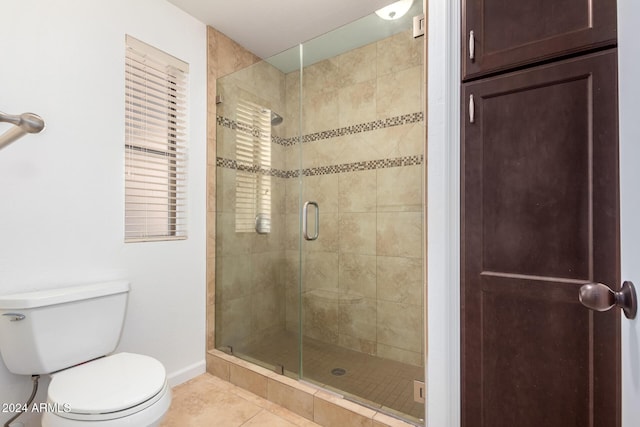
[{"x": 23, "y": 124}]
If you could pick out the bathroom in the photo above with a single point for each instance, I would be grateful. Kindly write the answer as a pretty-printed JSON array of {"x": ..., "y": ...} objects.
[
  {"x": 64, "y": 222},
  {"x": 66, "y": 64}
]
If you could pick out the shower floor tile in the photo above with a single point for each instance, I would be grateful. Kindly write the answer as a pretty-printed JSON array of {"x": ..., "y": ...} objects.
[{"x": 377, "y": 382}]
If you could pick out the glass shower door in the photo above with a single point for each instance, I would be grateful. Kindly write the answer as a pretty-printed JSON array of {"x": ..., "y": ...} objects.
[
  {"x": 361, "y": 159},
  {"x": 256, "y": 264},
  {"x": 319, "y": 213}
]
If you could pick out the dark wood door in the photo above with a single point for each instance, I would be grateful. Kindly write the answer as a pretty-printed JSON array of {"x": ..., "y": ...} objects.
[
  {"x": 512, "y": 33},
  {"x": 539, "y": 219}
]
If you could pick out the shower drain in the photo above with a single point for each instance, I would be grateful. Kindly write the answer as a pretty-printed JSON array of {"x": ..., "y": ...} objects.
[{"x": 338, "y": 372}]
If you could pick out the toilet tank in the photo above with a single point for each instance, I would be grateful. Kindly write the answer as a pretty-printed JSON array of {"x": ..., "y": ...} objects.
[{"x": 49, "y": 330}]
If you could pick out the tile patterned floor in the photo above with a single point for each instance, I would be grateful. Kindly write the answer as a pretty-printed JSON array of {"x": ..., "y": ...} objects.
[
  {"x": 208, "y": 401},
  {"x": 380, "y": 383}
]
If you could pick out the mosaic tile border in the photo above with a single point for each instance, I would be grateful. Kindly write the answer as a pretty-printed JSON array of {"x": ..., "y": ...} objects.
[
  {"x": 324, "y": 170},
  {"x": 233, "y": 125},
  {"x": 364, "y": 166},
  {"x": 333, "y": 133},
  {"x": 359, "y": 128},
  {"x": 233, "y": 164}
]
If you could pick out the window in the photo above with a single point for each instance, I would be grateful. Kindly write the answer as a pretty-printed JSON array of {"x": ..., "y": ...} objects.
[
  {"x": 253, "y": 174},
  {"x": 155, "y": 144}
]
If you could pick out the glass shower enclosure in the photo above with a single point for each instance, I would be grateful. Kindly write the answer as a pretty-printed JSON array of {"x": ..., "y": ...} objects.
[{"x": 320, "y": 210}]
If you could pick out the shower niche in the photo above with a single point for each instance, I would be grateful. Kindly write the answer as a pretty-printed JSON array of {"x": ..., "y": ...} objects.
[{"x": 327, "y": 137}]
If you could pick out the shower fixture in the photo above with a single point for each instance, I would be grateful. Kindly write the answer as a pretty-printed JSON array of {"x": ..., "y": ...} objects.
[
  {"x": 276, "y": 119},
  {"x": 23, "y": 124}
]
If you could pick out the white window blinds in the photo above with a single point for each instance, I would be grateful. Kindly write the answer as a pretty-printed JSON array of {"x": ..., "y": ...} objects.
[
  {"x": 253, "y": 175},
  {"x": 155, "y": 144}
]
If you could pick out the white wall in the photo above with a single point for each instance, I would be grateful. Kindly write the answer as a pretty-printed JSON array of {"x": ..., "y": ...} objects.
[
  {"x": 61, "y": 191},
  {"x": 443, "y": 245},
  {"x": 629, "y": 89}
]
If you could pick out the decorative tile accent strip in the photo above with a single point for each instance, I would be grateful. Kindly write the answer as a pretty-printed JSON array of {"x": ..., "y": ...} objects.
[
  {"x": 362, "y": 127},
  {"x": 324, "y": 170},
  {"x": 279, "y": 140},
  {"x": 232, "y": 124},
  {"x": 334, "y": 133},
  {"x": 364, "y": 166},
  {"x": 233, "y": 164}
]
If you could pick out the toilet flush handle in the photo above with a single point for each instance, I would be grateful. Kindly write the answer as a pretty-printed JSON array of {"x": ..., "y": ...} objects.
[{"x": 15, "y": 317}]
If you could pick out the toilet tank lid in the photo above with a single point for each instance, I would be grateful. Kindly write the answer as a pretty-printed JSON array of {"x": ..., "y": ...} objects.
[{"x": 48, "y": 297}]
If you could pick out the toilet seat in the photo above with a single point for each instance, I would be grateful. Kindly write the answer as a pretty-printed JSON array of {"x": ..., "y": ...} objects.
[{"x": 107, "y": 388}]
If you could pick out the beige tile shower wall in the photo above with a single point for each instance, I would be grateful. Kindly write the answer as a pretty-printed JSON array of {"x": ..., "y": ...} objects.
[
  {"x": 250, "y": 270},
  {"x": 370, "y": 244},
  {"x": 250, "y": 266},
  {"x": 371, "y": 219},
  {"x": 224, "y": 56}
]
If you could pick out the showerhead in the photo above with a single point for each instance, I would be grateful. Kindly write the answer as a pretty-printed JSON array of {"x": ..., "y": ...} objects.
[{"x": 276, "y": 119}]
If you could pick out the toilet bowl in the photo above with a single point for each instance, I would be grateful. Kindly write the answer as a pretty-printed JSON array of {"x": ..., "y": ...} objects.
[
  {"x": 70, "y": 334},
  {"x": 123, "y": 389}
]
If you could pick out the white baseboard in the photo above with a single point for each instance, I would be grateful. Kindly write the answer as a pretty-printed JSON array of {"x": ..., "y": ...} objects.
[{"x": 185, "y": 374}]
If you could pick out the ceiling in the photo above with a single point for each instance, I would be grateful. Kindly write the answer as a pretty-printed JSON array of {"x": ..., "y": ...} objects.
[
  {"x": 268, "y": 27},
  {"x": 360, "y": 32}
]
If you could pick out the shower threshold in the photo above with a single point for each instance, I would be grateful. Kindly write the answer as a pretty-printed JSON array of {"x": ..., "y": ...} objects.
[
  {"x": 309, "y": 400},
  {"x": 383, "y": 385}
]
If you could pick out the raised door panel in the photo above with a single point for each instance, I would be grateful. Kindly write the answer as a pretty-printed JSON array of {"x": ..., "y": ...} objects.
[
  {"x": 510, "y": 34},
  {"x": 539, "y": 219}
]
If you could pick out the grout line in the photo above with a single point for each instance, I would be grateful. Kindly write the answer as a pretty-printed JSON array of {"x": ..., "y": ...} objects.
[{"x": 257, "y": 413}]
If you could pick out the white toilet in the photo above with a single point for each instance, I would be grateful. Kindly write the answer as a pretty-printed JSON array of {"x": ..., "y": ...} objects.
[{"x": 56, "y": 331}]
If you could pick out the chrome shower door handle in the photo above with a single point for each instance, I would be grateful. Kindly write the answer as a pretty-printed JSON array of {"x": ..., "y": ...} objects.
[
  {"x": 305, "y": 213},
  {"x": 600, "y": 297}
]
